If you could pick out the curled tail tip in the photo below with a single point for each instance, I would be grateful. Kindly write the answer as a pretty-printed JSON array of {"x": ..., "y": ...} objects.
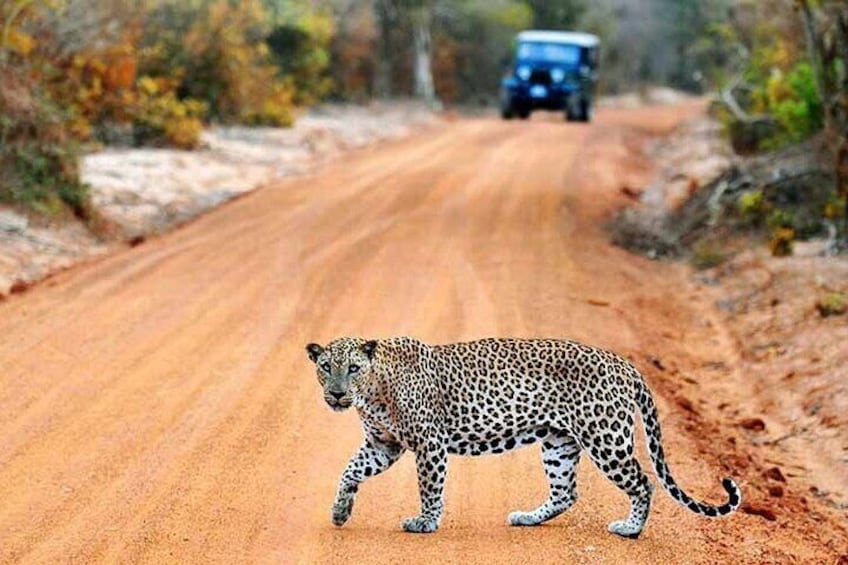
[{"x": 734, "y": 492}]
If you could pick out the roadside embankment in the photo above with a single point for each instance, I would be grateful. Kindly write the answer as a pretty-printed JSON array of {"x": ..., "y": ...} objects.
[
  {"x": 138, "y": 192},
  {"x": 782, "y": 317}
]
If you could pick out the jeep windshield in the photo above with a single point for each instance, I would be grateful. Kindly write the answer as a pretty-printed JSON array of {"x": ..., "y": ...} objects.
[{"x": 558, "y": 53}]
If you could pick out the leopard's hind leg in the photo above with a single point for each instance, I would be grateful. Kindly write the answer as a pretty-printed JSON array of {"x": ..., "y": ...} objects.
[
  {"x": 630, "y": 478},
  {"x": 613, "y": 455},
  {"x": 560, "y": 455}
]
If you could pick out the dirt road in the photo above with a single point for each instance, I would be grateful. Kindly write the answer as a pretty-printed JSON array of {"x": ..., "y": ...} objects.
[{"x": 158, "y": 407}]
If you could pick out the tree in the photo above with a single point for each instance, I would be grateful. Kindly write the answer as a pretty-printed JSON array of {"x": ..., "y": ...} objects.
[
  {"x": 421, "y": 18},
  {"x": 472, "y": 39},
  {"x": 560, "y": 15},
  {"x": 826, "y": 31},
  {"x": 299, "y": 40},
  {"x": 386, "y": 16}
]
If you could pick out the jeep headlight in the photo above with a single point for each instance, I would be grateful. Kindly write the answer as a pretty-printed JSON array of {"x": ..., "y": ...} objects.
[
  {"x": 557, "y": 75},
  {"x": 523, "y": 72}
]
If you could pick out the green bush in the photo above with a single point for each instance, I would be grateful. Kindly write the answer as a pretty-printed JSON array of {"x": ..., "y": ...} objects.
[
  {"x": 299, "y": 43},
  {"x": 276, "y": 109},
  {"x": 43, "y": 178},
  {"x": 780, "y": 218},
  {"x": 160, "y": 118},
  {"x": 151, "y": 72},
  {"x": 794, "y": 102},
  {"x": 217, "y": 54},
  {"x": 38, "y": 157},
  {"x": 752, "y": 206},
  {"x": 777, "y": 87}
]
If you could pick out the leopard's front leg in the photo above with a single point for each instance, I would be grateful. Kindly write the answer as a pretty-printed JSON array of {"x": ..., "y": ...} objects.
[
  {"x": 373, "y": 458},
  {"x": 431, "y": 459}
]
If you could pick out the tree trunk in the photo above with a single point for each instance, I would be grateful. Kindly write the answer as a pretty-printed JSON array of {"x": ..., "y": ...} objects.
[
  {"x": 384, "y": 14},
  {"x": 422, "y": 46},
  {"x": 825, "y": 50},
  {"x": 840, "y": 114},
  {"x": 814, "y": 47}
]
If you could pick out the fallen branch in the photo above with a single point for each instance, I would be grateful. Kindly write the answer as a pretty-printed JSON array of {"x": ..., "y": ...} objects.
[{"x": 727, "y": 98}]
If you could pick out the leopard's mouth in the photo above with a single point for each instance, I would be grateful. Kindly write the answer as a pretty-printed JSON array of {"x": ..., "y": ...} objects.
[{"x": 339, "y": 405}]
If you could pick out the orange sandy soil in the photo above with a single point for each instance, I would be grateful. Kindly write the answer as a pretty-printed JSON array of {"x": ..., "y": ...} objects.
[
  {"x": 793, "y": 362},
  {"x": 157, "y": 406}
]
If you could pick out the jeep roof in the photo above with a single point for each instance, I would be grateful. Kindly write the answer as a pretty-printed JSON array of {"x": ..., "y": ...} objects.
[{"x": 566, "y": 37}]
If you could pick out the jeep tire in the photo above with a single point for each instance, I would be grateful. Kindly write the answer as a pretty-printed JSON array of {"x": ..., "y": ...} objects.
[
  {"x": 586, "y": 110},
  {"x": 507, "y": 110},
  {"x": 579, "y": 109}
]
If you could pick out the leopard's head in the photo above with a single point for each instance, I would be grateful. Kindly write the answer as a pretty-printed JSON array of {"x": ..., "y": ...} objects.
[{"x": 340, "y": 367}]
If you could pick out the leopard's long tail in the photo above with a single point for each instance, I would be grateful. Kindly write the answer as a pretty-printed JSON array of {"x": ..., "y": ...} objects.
[{"x": 650, "y": 419}]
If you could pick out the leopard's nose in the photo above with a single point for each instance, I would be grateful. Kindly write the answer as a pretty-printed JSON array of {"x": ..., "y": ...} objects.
[{"x": 337, "y": 395}]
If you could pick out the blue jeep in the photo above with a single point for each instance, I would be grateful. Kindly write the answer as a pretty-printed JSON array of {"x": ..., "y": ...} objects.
[{"x": 552, "y": 70}]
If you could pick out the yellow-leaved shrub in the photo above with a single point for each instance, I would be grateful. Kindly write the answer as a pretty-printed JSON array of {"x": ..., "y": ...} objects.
[
  {"x": 160, "y": 118},
  {"x": 275, "y": 109}
]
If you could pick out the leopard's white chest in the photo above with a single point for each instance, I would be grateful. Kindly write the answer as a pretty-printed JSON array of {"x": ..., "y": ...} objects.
[{"x": 379, "y": 421}]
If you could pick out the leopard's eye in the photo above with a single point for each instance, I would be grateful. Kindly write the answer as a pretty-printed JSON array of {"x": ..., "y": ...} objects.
[
  {"x": 325, "y": 366},
  {"x": 353, "y": 369}
]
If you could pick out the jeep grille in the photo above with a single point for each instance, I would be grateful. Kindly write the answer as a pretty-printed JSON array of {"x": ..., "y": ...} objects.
[{"x": 540, "y": 77}]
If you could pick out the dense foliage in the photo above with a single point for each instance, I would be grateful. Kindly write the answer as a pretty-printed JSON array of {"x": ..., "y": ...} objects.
[
  {"x": 77, "y": 72},
  {"x": 153, "y": 72},
  {"x": 769, "y": 85},
  {"x": 786, "y": 82},
  {"x": 656, "y": 42}
]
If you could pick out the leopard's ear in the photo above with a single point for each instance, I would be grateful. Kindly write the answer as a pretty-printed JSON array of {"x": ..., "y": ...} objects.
[
  {"x": 369, "y": 347},
  {"x": 314, "y": 351}
]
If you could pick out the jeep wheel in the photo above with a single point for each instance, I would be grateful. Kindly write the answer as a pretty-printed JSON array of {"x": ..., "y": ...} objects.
[
  {"x": 586, "y": 110},
  {"x": 579, "y": 110},
  {"x": 573, "y": 109},
  {"x": 507, "y": 111},
  {"x": 524, "y": 113}
]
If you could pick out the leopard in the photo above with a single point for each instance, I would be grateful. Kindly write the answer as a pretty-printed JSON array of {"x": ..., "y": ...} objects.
[{"x": 491, "y": 396}]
